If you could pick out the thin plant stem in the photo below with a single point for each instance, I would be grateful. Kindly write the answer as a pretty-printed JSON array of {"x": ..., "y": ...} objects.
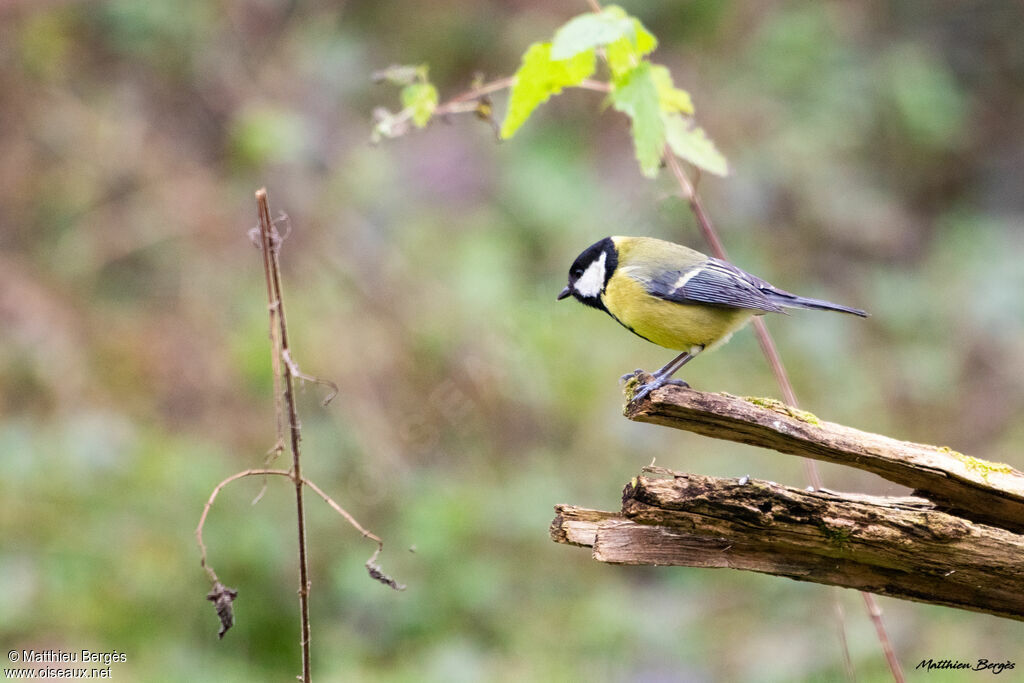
[
  {"x": 875, "y": 612},
  {"x": 771, "y": 353},
  {"x": 270, "y": 241},
  {"x": 840, "y": 614},
  {"x": 481, "y": 90},
  {"x": 341, "y": 511},
  {"x": 206, "y": 511},
  {"x": 467, "y": 101},
  {"x": 286, "y": 372}
]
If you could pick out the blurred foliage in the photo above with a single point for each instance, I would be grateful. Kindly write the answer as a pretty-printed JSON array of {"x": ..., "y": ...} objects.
[
  {"x": 875, "y": 156},
  {"x": 658, "y": 111}
]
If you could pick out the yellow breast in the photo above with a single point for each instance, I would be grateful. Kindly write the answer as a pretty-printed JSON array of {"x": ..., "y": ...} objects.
[{"x": 669, "y": 324}]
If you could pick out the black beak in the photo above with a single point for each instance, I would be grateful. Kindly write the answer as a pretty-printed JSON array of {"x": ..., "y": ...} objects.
[{"x": 565, "y": 292}]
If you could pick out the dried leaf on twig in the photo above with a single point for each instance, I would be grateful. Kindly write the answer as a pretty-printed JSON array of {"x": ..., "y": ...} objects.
[
  {"x": 378, "y": 574},
  {"x": 221, "y": 596}
]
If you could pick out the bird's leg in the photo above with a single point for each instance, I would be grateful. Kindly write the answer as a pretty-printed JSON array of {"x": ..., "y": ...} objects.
[
  {"x": 664, "y": 375},
  {"x": 672, "y": 367}
]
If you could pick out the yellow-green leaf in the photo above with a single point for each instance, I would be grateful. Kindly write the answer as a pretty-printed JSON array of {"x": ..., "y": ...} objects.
[
  {"x": 421, "y": 98},
  {"x": 538, "y": 78},
  {"x": 590, "y": 30},
  {"x": 636, "y": 95},
  {"x": 692, "y": 144},
  {"x": 627, "y": 52},
  {"x": 672, "y": 98}
]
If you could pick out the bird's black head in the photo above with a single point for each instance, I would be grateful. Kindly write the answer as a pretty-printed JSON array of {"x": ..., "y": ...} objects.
[{"x": 590, "y": 273}]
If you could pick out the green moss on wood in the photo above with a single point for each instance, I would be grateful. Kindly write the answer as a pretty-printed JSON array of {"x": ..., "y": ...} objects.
[
  {"x": 777, "y": 406},
  {"x": 632, "y": 385},
  {"x": 838, "y": 537},
  {"x": 977, "y": 465}
]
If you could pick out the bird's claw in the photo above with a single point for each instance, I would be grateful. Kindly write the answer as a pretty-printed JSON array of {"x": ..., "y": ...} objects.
[
  {"x": 630, "y": 375},
  {"x": 642, "y": 392}
]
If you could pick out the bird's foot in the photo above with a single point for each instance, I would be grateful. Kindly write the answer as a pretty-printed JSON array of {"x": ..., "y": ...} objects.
[
  {"x": 642, "y": 392},
  {"x": 655, "y": 383}
]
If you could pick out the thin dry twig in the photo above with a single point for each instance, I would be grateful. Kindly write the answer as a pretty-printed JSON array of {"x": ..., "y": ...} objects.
[
  {"x": 293, "y": 368},
  {"x": 473, "y": 94},
  {"x": 280, "y": 473},
  {"x": 275, "y": 339},
  {"x": 273, "y": 453},
  {"x": 286, "y": 371},
  {"x": 209, "y": 503},
  {"x": 341, "y": 511},
  {"x": 467, "y": 101},
  {"x": 271, "y": 241},
  {"x": 372, "y": 567},
  {"x": 257, "y": 236}
]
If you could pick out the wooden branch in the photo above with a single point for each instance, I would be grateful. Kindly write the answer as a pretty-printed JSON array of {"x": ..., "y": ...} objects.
[
  {"x": 901, "y": 547},
  {"x": 988, "y": 492}
]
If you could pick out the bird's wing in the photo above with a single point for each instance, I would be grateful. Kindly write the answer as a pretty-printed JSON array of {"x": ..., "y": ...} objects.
[{"x": 713, "y": 282}]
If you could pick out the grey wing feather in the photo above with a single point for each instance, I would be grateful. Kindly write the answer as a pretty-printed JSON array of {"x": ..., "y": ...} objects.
[{"x": 714, "y": 282}]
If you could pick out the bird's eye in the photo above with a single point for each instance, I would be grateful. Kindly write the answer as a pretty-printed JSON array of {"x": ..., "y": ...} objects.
[{"x": 578, "y": 272}]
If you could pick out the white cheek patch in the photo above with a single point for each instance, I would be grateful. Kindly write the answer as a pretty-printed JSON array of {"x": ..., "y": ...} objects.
[{"x": 591, "y": 282}]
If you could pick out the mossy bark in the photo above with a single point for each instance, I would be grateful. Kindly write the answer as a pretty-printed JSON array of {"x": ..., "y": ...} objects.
[
  {"x": 975, "y": 489},
  {"x": 902, "y": 547}
]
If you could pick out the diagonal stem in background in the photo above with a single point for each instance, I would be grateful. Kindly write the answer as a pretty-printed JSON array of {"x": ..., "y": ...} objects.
[{"x": 764, "y": 339}]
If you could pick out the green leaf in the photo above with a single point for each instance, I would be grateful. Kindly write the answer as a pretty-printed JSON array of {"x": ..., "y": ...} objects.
[
  {"x": 627, "y": 52},
  {"x": 591, "y": 30},
  {"x": 692, "y": 144},
  {"x": 672, "y": 98},
  {"x": 421, "y": 98},
  {"x": 538, "y": 78},
  {"x": 636, "y": 95}
]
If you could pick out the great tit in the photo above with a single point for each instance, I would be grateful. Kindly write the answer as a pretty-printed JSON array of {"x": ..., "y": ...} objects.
[{"x": 675, "y": 297}]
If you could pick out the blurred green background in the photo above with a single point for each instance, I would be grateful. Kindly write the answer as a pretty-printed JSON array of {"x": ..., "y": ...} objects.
[{"x": 877, "y": 162}]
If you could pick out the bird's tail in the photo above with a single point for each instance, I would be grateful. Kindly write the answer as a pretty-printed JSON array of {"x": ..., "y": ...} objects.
[{"x": 788, "y": 300}]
